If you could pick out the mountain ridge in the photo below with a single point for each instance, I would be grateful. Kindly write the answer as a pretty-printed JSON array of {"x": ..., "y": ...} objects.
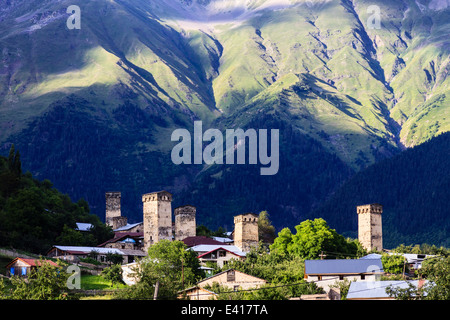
[{"x": 93, "y": 109}]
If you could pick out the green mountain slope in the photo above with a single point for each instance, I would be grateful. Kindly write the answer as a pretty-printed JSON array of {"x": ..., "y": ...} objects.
[{"x": 93, "y": 109}]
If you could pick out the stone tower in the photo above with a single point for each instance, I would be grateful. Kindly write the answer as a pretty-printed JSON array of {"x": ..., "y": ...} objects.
[
  {"x": 157, "y": 209},
  {"x": 185, "y": 225},
  {"x": 246, "y": 231},
  {"x": 370, "y": 232},
  {"x": 113, "y": 213}
]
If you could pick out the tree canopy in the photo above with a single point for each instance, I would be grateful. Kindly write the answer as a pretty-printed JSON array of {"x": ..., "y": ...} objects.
[
  {"x": 35, "y": 215},
  {"x": 314, "y": 238},
  {"x": 170, "y": 266}
]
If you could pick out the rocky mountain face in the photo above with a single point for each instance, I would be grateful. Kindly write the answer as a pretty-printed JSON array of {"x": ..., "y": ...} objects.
[{"x": 347, "y": 83}]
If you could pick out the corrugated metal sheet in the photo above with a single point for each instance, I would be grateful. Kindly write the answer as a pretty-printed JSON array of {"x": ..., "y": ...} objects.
[
  {"x": 202, "y": 248},
  {"x": 376, "y": 289},
  {"x": 86, "y": 250},
  {"x": 343, "y": 266}
]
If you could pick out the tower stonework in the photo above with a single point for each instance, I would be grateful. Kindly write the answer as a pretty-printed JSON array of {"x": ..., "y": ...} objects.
[
  {"x": 246, "y": 231},
  {"x": 112, "y": 208},
  {"x": 370, "y": 232},
  {"x": 157, "y": 211},
  {"x": 118, "y": 222},
  {"x": 185, "y": 225}
]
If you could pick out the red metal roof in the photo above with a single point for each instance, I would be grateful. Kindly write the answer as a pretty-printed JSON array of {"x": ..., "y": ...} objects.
[
  {"x": 32, "y": 262},
  {"x": 197, "y": 240},
  {"x": 220, "y": 248}
]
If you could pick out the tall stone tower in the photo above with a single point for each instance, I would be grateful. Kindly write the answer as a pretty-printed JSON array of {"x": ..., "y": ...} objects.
[
  {"x": 370, "y": 232},
  {"x": 157, "y": 207},
  {"x": 185, "y": 225},
  {"x": 113, "y": 216},
  {"x": 246, "y": 231}
]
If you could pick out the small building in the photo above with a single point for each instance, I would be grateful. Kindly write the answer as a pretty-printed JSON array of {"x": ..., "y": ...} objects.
[
  {"x": 218, "y": 254},
  {"x": 327, "y": 272},
  {"x": 74, "y": 253},
  {"x": 22, "y": 267},
  {"x": 131, "y": 228},
  {"x": 413, "y": 260},
  {"x": 376, "y": 290},
  {"x": 232, "y": 279},
  {"x": 225, "y": 240},
  {"x": 125, "y": 240},
  {"x": 197, "y": 293},
  {"x": 198, "y": 240}
]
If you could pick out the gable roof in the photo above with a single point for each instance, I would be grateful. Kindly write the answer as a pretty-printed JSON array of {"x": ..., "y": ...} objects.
[
  {"x": 87, "y": 250},
  {"x": 122, "y": 236},
  {"x": 205, "y": 248},
  {"x": 128, "y": 226},
  {"x": 377, "y": 289},
  {"x": 221, "y": 248},
  {"x": 343, "y": 266},
  {"x": 223, "y": 239},
  {"x": 81, "y": 226},
  {"x": 198, "y": 240},
  {"x": 236, "y": 271},
  {"x": 372, "y": 256},
  {"x": 32, "y": 262}
]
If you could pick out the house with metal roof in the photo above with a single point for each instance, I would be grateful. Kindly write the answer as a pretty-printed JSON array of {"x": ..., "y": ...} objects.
[
  {"x": 232, "y": 279},
  {"x": 199, "y": 240},
  {"x": 74, "y": 253},
  {"x": 376, "y": 290},
  {"x": 125, "y": 240},
  {"x": 328, "y": 272},
  {"x": 22, "y": 267},
  {"x": 131, "y": 227},
  {"x": 81, "y": 226},
  {"x": 414, "y": 260},
  {"x": 217, "y": 253}
]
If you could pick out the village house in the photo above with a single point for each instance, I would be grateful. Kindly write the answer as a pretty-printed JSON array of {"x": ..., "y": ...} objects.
[
  {"x": 231, "y": 279},
  {"x": 376, "y": 290},
  {"x": 217, "y": 254},
  {"x": 413, "y": 260},
  {"x": 199, "y": 240},
  {"x": 84, "y": 227},
  {"x": 328, "y": 272},
  {"x": 332, "y": 294},
  {"x": 130, "y": 228},
  {"x": 74, "y": 253},
  {"x": 125, "y": 240},
  {"x": 22, "y": 267}
]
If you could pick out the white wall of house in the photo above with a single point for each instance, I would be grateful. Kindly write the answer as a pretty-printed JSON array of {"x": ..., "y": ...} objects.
[{"x": 325, "y": 281}]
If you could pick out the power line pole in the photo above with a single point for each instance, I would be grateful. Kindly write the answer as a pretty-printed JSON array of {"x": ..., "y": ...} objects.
[{"x": 155, "y": 295}]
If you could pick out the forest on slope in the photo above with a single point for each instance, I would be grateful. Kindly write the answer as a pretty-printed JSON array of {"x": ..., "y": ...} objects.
[
  {"x": 34, "y": 215},
  {"x": 414, "y": 189}
]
